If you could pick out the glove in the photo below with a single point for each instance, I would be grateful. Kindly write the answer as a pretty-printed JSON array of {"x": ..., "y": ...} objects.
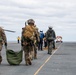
[{"x": 5, "y": 44}]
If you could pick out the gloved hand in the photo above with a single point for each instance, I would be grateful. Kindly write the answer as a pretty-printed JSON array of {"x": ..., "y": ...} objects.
[{"x": 5, "y": 43}]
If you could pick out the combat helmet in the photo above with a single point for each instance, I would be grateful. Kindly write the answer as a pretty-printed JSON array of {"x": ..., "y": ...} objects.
[
  {"x": 50, "y": 27},
  {"x": 30, "y": 21}
]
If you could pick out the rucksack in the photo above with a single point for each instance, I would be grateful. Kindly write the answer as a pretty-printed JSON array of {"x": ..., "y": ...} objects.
[
  {"x": 29, "y": 32},
  {"x": 50, "y": 36}
]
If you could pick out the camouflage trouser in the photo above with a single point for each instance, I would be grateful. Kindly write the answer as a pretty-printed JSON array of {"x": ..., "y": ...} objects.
[
  {"x": 0, "y": 47},
  {"x": 50, "y": 47},
  {"x": 35, "y": 52},
  {"x": 0, "y": 52},
  {"x": 32, "y": 52},
  {"x": 27, "y": 54}
]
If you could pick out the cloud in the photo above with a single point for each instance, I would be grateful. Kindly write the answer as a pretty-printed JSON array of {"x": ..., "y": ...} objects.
[{"x": 58, "y": 13}]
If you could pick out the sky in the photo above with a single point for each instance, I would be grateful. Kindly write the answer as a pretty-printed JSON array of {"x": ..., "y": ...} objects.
[{"x": 60, "y": 14}]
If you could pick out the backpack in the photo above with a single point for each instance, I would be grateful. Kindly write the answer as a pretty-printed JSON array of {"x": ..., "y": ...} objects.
[
  {"x": 29, "y": 32},
  {"x": 50, "y": 36}
]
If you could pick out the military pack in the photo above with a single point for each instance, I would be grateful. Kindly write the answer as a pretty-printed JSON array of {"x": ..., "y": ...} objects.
[
  {"x": 49, "y": 35},
  {"x": 29, "y": 32}
]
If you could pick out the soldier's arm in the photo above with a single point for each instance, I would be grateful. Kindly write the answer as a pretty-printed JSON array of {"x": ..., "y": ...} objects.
[{"x": 4, "y": 38}]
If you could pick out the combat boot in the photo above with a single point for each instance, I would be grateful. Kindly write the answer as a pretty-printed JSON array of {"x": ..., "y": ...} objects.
[
  {"x": 35, "y": 56},
  {"x": 27, "y": 63},
  {"x": 50, "y": 53},
  {"x": 54, "y": 48}
]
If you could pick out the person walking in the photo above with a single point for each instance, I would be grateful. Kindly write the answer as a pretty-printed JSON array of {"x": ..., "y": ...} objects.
[
  {"x": 45, "y": 41},
  {"x": 3, "y": 40},
  {"x": 50, "y": 37},
  {"x": 18, "y": 39},
  {"x": 36, "y": 40},
  {"x": 27, "y": 41},
  {"x": 40, "y": 45}
]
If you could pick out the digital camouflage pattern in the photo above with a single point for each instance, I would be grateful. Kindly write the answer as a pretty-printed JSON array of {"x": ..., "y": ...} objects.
[
  {"x": 3, "y": 40},
  {"x": 27, "y": 41}
]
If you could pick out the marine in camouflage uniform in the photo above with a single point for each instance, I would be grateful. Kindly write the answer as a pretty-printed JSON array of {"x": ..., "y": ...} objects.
[
  {"x": 36, "y": 40},
  {"x": 3, "y": 40},
  {"x": 50, "y": 36},
  {"x": 27, "y": 41}
]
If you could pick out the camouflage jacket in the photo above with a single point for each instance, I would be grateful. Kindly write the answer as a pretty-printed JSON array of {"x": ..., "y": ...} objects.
[{"x": 2, "y": 35}]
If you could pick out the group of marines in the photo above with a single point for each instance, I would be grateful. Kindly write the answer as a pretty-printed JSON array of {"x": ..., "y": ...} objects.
[{"x": 29, "y": 41}]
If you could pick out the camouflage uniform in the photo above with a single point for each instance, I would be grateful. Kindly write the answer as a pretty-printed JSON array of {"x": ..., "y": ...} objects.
[
  {"x": 50, "y": 36},
  {"x": 36, "y": 40},
  {"x": 27, "y": 43},
  {"x": 2, "y": 40}
]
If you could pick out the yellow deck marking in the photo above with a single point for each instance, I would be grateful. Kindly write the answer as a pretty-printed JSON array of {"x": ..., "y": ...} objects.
[{"x": 46, "y": 61}]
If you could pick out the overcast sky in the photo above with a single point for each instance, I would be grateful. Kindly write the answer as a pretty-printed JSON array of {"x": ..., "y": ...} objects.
[{"x": 61, "y": 14}]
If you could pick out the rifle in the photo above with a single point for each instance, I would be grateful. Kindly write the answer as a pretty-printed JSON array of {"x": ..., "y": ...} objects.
[{"x": 9, "y": 30}]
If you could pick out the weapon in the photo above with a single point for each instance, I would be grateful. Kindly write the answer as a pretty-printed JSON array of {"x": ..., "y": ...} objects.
[{"x": 9, "y": 30}]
